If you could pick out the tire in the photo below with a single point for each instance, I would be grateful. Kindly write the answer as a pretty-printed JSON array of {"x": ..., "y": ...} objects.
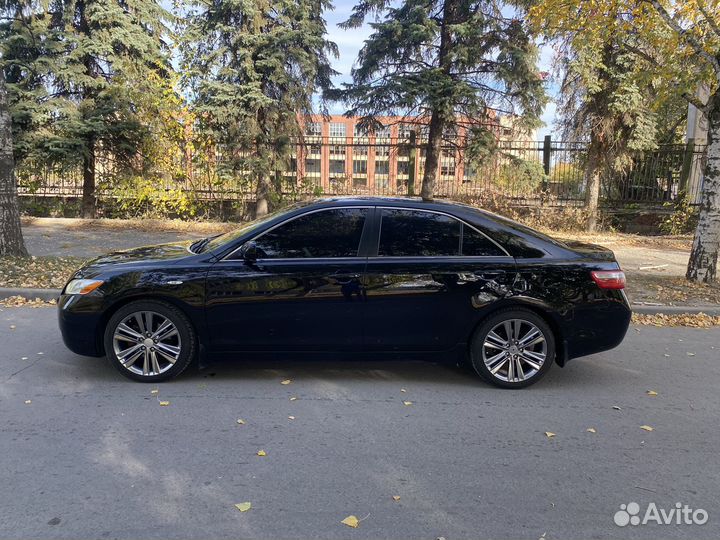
[
  {"x": 518, "y": 366},
  {"x": 148, "y": 334}
]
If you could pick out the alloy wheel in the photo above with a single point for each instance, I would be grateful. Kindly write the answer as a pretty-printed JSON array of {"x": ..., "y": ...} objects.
[
  {"x": 146, "y": 343},
  {"x": 514, "y": 350}
]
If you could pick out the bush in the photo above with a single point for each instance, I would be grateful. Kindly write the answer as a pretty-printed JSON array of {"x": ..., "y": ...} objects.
[{"x": 683, "y": 219}]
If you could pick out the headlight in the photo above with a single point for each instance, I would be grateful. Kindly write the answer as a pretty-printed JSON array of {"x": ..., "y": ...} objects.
[{"x": 82, "y": 286}]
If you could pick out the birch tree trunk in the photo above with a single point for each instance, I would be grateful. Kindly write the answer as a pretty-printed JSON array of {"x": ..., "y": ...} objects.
[
  {"x": 11, "y": 238},
  {"x": 702, "y": 266}
]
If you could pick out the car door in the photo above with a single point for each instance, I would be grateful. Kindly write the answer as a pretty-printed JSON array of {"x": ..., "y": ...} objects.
[
  {"x": 303, "y": 292},
  {"x": 429, "y": 280}
]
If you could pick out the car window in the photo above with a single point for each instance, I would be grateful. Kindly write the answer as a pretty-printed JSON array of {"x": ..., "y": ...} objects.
[
  {"x": 328, "y": 233},
  {"x": 414, "y": 233},
  {"x": 475, "y": 244}
]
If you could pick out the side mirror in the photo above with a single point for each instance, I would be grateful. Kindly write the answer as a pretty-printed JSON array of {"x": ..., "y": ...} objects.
[{"x": 249, "y": 252}]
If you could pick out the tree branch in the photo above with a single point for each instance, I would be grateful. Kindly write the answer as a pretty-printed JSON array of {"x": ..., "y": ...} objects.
[
  {"x": 685, "y": 35},
  {"x": 711, "y": 22}
]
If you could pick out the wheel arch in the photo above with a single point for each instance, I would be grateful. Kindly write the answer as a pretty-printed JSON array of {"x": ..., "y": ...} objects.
[
  {"x": 121, "y": 302},
  {"x": 540, "y": 309}
]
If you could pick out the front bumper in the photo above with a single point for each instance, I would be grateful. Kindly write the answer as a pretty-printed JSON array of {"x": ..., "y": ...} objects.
[{"x": 79, "y": 318}]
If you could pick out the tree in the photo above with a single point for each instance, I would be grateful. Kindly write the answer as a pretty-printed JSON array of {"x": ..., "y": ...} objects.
[
  {"x": 79, "y": 65},
  {"x": 447, "y": 60},
  {"x": 605, "y": 95},
  {"x": 11, "y": 238},
  {"x": 696, "y": 26},
  {"x": 253, "y": 67},
  {"x": 677, "y": 47}
]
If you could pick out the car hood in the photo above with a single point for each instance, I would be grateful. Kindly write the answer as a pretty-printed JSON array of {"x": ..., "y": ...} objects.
[{"x": 143, "y": 255}]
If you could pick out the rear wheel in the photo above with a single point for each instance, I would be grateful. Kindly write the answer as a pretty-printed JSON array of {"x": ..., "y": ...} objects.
[
  {"x": 149, "y": 341},
  {"x": 513, "y": 348}
]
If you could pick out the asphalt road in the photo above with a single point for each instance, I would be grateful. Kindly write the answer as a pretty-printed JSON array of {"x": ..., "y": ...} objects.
[{"x": 96, "y": 456}]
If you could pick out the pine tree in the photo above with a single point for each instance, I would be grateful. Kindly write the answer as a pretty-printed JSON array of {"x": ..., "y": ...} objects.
[
  {"x": 253, "y": 67},
  {"x": 447, "y": 60},
  {"x": 79, "y": 64}
]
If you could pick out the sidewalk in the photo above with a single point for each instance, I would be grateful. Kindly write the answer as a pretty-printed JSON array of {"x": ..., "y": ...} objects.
[{"x": 655, "y": 266}]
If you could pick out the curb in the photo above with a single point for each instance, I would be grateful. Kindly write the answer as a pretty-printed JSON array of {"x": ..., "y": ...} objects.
[
  {"x": 30, "y": 294},
  {"x": 675, "y": 310}
]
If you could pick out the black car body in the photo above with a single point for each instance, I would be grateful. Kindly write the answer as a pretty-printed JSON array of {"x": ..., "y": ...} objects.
[{"x": 370, "y": 275}]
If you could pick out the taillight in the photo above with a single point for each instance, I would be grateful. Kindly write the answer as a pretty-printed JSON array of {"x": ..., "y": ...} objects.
[{"x": 609, "y": 279}]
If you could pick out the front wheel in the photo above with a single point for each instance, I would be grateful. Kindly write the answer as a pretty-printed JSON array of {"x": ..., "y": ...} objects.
[
  {"x": 513, "y": 348},
  {"x": 149, "y": 341}
]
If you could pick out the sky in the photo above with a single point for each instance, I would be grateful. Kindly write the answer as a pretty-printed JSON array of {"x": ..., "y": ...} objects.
[{"x": 349, "y": 43}]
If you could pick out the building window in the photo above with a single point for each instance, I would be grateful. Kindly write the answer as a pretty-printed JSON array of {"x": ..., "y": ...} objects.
[
  {"x": 337, "y": 167},
  {"x": 359, "y": 166},
  {"x": 360, "y": 131},
  {"x": 313, "y": 129},
  {"x": 312, "y": 167},
  {"x": 360, "y": 150},
  {"x": 382, "y": 167},
  {"x": 447, "y": 170},
  {"x": 337, "y": 150},
  {"x": 337, "y": 129},
  {"x": 382, "y": 151},
  {"x": 403, "y": 168},
  {"x": 383, "y": 132}
]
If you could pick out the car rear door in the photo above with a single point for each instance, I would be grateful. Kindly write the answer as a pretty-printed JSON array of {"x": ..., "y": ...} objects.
[
  {"x": 429, "y": 279},
  {"x": 304, "y": 291}
]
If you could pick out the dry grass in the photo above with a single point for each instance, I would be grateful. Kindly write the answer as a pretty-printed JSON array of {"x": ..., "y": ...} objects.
[
  {"x": 37, "y": 272},
  {"x": 694, "y": 320}
]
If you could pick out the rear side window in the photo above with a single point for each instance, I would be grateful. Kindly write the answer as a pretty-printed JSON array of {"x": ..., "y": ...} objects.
[
  {"x": 475, "y": 244},
  {"x": 325, "y": 234},
  {"x": 414, "y": 233}
]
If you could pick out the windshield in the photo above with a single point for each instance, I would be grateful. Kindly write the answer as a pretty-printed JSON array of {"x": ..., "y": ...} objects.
[{"x": 248, "y": 227}]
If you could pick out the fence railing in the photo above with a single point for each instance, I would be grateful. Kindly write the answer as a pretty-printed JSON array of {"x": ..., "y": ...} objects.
[{"x": 525, "y": 172}]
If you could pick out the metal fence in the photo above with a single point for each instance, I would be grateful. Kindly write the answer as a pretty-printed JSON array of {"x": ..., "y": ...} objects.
[{"x": 525, "y": 172}]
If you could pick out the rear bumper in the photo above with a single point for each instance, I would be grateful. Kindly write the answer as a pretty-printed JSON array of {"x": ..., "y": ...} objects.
[
  {"x": 79, "y": 320},
  {"x": 599, "y": 325}
]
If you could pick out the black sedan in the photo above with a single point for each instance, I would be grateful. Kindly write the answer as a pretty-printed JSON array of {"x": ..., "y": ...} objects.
[{"x": 353, "y": 275}]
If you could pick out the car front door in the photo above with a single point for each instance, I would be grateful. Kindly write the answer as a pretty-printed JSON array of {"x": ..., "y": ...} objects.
[
  {"x": 429, "y": 280},
  {"x": 303, "y": 291}
]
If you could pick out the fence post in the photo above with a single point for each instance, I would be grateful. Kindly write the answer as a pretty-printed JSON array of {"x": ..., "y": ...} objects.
[
  {"x": 411, "y": 164},
  {"x": 546, "y": 166},
  {"x": 687, "y": 165}
]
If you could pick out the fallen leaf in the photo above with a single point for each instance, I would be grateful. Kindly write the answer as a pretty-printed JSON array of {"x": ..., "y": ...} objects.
[
  {"x": 164, "y": 403},
  {"x": 646, "y": 428},
  {"x": 407, "y": 402},
  {"x": 28, "y": 401},
  {"x": 549, "y": 434},
  {"x": 293, "y": 398},
  {"x": 261, "y": 453},
  {"x": 651, "y": 393},
  {"x": 351, "y": 521},
  {"x": 154, "y": 392},
  {"x": 396, "y": 497},
  {"x": 24, "y": 358},
  {"x": 403, "y": 390},
  {"x": 286, "y": 381},
  {"x": 616, "y": 408},
  {"x": 691, "y": 354},
  {"x": 241, "y": 421},
  {"x": 243, "y": 507},
  {"x": 291, "y": 417},
  {"x": 591, "y": 430}
]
